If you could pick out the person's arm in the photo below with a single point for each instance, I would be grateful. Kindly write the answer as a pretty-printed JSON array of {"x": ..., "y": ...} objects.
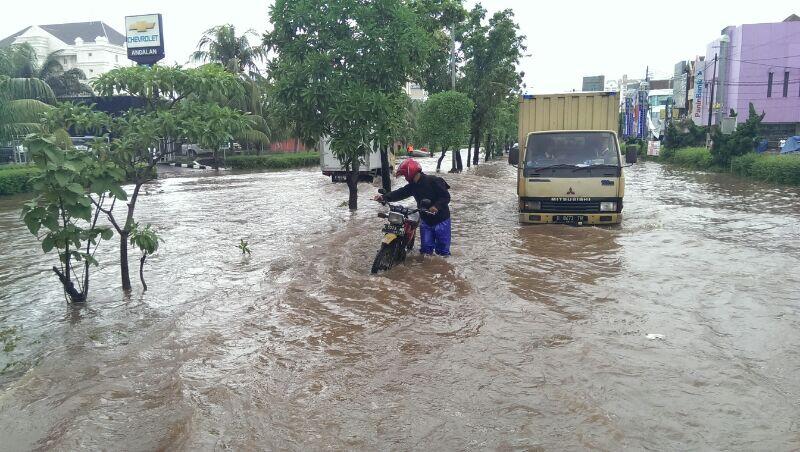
[
  {"x": 444, "y": 194},
  {"x": 399, "y": 194}
]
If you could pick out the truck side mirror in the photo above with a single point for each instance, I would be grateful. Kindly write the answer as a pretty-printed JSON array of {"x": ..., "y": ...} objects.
[
  {"x": 513, "y": 157},
  {"x": 382, "y": 191},
  {"x": 631, "y": 155}
]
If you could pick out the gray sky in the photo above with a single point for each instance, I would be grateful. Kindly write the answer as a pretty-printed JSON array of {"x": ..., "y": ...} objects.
[{"x": 567, "y": 39}]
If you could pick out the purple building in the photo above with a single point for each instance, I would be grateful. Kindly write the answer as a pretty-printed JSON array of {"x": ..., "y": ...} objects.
[{"x": 758, "y": 63}]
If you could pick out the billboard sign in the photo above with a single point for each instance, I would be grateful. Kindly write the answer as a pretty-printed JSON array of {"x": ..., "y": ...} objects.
[
  {"x": 699, "y": 80},
  {"x": 144, "y": 38}
]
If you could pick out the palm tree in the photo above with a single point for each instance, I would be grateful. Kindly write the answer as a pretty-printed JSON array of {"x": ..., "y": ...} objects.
[
  {"x": 20, "y": 61},
  {"x": 221, "y": 45},
  {"x": 23, "y": 101},
  {"x": 65, "y": 83}
]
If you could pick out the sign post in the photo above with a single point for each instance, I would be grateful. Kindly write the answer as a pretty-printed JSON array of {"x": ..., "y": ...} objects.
[{"x": 145, "y": 38}]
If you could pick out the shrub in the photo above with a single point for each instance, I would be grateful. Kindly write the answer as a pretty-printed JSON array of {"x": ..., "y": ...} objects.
[
  {"x": 740, "y": 142},
  {"x": 684, "y": 134},
  {"x": 695, "y": 158},
  {"x": 273, "y": 161},
  {"x": 15, "y": 178},
  {"x": 781, "y": 169},
  {"x": 667, "y": 154}
]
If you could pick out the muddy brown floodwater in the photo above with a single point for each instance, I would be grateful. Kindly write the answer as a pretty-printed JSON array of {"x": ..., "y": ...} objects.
[{"x": 529, "y": 337}]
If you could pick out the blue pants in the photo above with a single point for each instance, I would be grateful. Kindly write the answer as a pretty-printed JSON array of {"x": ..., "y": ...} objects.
[{"x": 435, "y": 237}]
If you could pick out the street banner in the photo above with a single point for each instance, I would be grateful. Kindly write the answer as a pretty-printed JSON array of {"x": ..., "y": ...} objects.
[{"x": 653, "y": 148}]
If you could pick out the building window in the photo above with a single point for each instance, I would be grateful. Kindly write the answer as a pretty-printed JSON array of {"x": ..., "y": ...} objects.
[
  {"x": 90, "y": 54},
  {"x": 116, "y": 58},
  {"x": 786, "y": 84},
  {"x": 769, "y": 85}
]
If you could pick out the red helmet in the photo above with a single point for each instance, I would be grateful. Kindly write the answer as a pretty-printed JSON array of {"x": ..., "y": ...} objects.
[{"x": 409, "y": 168}]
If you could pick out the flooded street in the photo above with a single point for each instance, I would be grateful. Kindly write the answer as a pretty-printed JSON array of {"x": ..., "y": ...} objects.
[{"x": 527, "y": 337}]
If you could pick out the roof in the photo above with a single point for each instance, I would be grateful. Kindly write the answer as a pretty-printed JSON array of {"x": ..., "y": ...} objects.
[
  {"x": 792, "y": 18},
  {"x": 88, "y": 31}
]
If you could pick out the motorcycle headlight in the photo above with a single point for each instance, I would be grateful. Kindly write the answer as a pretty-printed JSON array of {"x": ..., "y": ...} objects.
[
  {"x": 396, "y": 218},
  {"x": 530, "y": 205},
  {"x": 608, "y": 207}
]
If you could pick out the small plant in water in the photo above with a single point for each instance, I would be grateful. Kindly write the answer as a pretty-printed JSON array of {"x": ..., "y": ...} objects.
[{"x": 244, "y": 247}]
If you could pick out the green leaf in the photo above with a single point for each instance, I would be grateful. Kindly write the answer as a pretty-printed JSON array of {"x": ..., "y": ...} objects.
[
  {"x": 48, "y": 243},
  {"x": 107, "y": 234},
  {"x": 117, "y": 191},
  {"x": 63, "y": 178},
  {"x": 32, "y": 222},
  {"x": 54, "y": 155},
  {"x": 75, "y": 188}
]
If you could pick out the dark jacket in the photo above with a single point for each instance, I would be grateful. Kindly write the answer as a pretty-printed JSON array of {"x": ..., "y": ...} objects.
[{"x": 428, "y": 187}]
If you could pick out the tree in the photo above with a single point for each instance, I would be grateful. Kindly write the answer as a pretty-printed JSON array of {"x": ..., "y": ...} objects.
[
  {"x": 742, "y": 141},
  {"x": 69, "y": 183},
  {"x": 235, "y": 53},
  {"x": 20, "y": 61},
  {"x": 338, "y": 66},
  {"x": 491, "y": 54},
  {"x": 23, "y": 101},
  {"x": 438, "y": 18},
  {"x": 180, "y": 105},
  {"x": 445, "y": 120}
]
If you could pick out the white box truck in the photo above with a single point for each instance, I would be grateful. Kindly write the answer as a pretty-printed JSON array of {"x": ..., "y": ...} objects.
[{"x": 369, "y": 169}]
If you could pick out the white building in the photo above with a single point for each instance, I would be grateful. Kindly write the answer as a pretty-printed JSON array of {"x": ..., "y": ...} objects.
[
  {"x": 415, "y": 92},
  {"x": 93, "y": 47}
]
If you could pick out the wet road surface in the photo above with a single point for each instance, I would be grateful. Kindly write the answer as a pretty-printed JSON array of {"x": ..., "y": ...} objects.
[{"x": 528, "y": 337}]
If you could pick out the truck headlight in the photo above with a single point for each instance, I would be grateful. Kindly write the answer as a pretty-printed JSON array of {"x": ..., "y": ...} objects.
[
  {"x": 530, "y": 205},
  {"x": 608, "y": 206}
]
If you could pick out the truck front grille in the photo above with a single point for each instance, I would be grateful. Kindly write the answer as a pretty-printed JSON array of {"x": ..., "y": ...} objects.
[{"x": 571, "y": 206}]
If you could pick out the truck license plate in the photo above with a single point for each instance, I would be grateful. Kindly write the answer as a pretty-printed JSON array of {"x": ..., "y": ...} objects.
[
  {"x": 340, "y": 178},
  {"x": 571, "y": 219}
]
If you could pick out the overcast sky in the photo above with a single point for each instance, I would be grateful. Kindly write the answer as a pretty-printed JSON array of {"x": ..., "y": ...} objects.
[{"x": 566, "y": 39}]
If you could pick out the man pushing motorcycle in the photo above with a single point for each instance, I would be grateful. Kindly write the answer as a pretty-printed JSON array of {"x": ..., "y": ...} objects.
[{"x": 435, "y": 224}]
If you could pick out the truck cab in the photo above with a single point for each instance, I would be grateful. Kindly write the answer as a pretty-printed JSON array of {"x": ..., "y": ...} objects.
[{"x": 570, "y": 169}]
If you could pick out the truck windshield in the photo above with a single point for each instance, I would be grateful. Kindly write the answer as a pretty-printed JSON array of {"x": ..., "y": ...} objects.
[{"x": 568, "y": 149}]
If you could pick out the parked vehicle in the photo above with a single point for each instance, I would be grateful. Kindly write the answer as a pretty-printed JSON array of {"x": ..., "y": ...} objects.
[
  {"x": 399, "y": 234},
  {"x": 84, "y": 143},
  {"x": 419, "y": 153},
  {"x": 369, "y": 167},
  {"x": 570, "y": 169},
  {"x": 194, "y": 150}
]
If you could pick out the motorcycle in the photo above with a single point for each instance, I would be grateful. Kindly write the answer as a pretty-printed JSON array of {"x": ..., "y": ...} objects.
[{"x": 399, "y": 234}]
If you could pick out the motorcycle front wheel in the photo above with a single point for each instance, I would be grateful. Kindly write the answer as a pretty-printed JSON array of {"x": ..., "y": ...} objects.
[{"x": 386, "y": 257}]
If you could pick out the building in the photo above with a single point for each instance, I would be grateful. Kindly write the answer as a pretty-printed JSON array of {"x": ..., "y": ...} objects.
[
  {"x": 415, "y": 92},
  {"x": 752, "y": 63},
  {"x": 93, "y": 47},
  {"x": 594, "y": 83}
]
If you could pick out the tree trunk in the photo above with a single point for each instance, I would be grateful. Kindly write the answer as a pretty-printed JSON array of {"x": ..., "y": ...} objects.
[
  {"x": 141, "y": 272},
  {"x": 124, "y": 268},
  {"x": 352, "y": 185},
  {"x": 296, "y": 145},
  {"x": 469, "y": 151},
  {"x": 459, "y": 163},
  {"x": 454, "y": 164},
  {"x": 441, "y": 157},
  {"x": 386, "y": 172},
  {"x": 476, "y": 154},
  {"x": 69, "y": 288},
  {"x": 488, "y": 147}
]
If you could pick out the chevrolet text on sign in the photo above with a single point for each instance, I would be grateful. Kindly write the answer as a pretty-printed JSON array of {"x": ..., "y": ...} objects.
[{"x": 144, "y": 38}]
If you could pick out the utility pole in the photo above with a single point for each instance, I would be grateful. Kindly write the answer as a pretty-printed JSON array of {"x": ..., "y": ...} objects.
[
  {"x": 711, "y": 102},
  {"x": 453, "y": 56}
]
